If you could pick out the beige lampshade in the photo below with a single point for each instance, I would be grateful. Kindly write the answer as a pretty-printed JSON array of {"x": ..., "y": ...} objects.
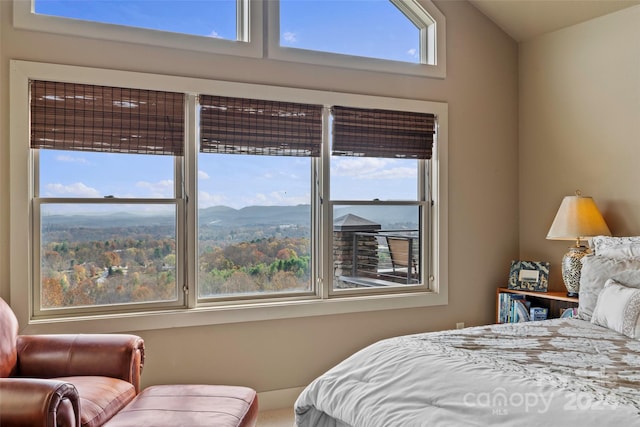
[{"x": 578, "y": 217}]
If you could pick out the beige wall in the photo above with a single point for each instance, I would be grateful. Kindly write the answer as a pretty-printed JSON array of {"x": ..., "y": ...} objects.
[
  {"x": 481, "y": 90},
  {"x": 580, "y": 128}
]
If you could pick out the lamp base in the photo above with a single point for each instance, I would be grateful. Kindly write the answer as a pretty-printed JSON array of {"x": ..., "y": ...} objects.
[{"x": 571, "y": 267}]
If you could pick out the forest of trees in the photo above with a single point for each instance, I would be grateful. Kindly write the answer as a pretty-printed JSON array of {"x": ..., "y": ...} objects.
[
  {"x": 264, "y": 265},
  {"x": 97, "y": 266}
]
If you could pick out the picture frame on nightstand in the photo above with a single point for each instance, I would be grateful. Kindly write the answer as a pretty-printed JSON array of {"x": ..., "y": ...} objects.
[{"x": 529, "y": 276}]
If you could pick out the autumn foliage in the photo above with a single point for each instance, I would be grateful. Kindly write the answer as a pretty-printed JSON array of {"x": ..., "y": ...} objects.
[{"x": 144, "y": 269}]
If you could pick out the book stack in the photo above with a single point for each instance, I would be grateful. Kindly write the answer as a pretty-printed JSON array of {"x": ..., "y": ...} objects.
[{"x": 514, "y": 308}]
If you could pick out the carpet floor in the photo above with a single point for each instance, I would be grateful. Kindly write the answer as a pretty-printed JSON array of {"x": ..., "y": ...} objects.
[{"x": 276, "y": 418}]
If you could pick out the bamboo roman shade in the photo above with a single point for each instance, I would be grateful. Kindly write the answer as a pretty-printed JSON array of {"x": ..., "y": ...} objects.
[
  {"x": 251, "y": 126},
  {"x": 70, "y": 116},
  {"x": 382, "y": 133}
]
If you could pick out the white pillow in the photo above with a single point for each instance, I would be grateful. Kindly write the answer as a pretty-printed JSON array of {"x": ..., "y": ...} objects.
[
  {"x": 596, "y": 270},
  {"x": 615, "y": 246},
  {"x": 618, "y": 308},
  {"x": 625, "y": 250}
]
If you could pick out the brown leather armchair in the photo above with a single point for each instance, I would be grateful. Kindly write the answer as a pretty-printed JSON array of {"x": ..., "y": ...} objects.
[{"x": 65, "y": 380}]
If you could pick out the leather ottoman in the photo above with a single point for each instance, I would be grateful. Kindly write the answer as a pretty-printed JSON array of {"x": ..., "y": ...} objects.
[{"x": 190, "y": 406}]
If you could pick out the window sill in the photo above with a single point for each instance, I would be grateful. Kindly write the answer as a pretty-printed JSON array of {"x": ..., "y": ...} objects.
[{"x": 130, "y": 322}]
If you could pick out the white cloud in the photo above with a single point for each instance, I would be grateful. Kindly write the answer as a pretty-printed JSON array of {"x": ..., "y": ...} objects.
[
  {"x": 77, "y": 189},
  {"x": 278, "y": 198},
  {"x": 393, "y": 173},
  {"x": 237, "y": 201},
  {"x": 357, "y": 166},
  {"x": 290, "y": 37},
  {"x": 206, "y": 200},
  {"x": 280, "y": 175},
  {"x": 371, "y": 168},
  {"x": 413, "y": 53},
  {"x": 203, "y": 175},
  {"x": 158, "y": 189},
  {"x": 214, "y": 34},
  {"x": 259, "y": 199},
  {"x": 71, "y": 159}
]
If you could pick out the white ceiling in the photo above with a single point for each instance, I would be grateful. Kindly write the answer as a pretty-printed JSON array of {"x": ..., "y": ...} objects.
[{"x": 526, "y": 19}]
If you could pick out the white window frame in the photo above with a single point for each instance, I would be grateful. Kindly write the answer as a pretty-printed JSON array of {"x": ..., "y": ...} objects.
[
  {"x": 21, "y": 208},
  {"x": 253, "y": 18}
]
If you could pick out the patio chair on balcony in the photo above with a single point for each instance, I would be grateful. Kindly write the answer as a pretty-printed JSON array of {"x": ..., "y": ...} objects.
[{"x": 402, "y": 256}]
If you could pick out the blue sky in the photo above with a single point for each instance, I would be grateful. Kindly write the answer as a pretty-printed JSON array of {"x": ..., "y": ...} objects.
[
  {"x": 230, "y": 180},
  {"x": 369, "y": 28},
  {"x": 358, "y": 27},
  {"x": 204, "y": 18}
]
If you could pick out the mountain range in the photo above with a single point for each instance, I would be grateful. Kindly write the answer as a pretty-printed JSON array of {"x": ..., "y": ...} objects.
[{"x": 224, "y": 216}]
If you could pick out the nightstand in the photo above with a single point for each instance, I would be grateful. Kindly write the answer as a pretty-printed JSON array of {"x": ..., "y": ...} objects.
[{"x": 555, "y": 302}]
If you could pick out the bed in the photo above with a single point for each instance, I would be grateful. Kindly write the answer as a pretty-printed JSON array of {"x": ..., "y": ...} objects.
[{"x": 584, "y": 371}]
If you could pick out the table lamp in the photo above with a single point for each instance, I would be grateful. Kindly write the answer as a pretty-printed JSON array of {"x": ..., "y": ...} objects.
[{"x": 578, "y": 218}]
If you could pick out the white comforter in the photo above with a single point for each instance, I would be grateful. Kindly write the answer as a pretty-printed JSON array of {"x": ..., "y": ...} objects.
[{"x": 550, "y": 373}]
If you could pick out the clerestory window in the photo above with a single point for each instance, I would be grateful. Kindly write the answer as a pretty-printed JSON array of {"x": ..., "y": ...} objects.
[
  {"x": 397, "y": 36},
  {"x": 373, "y": 29}
]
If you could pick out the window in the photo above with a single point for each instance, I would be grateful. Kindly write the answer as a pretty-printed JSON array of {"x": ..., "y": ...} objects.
[
  {"x": 141, "y": 193},
  {"x": 221, "y": 26},
  {"x": 106, "y": 207},
  {"x": 374, "y": 29},
  {"x": 254, "y": 179},
  {"x": 396, "y": 36},
  {"x": 379, "y": 198}
]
